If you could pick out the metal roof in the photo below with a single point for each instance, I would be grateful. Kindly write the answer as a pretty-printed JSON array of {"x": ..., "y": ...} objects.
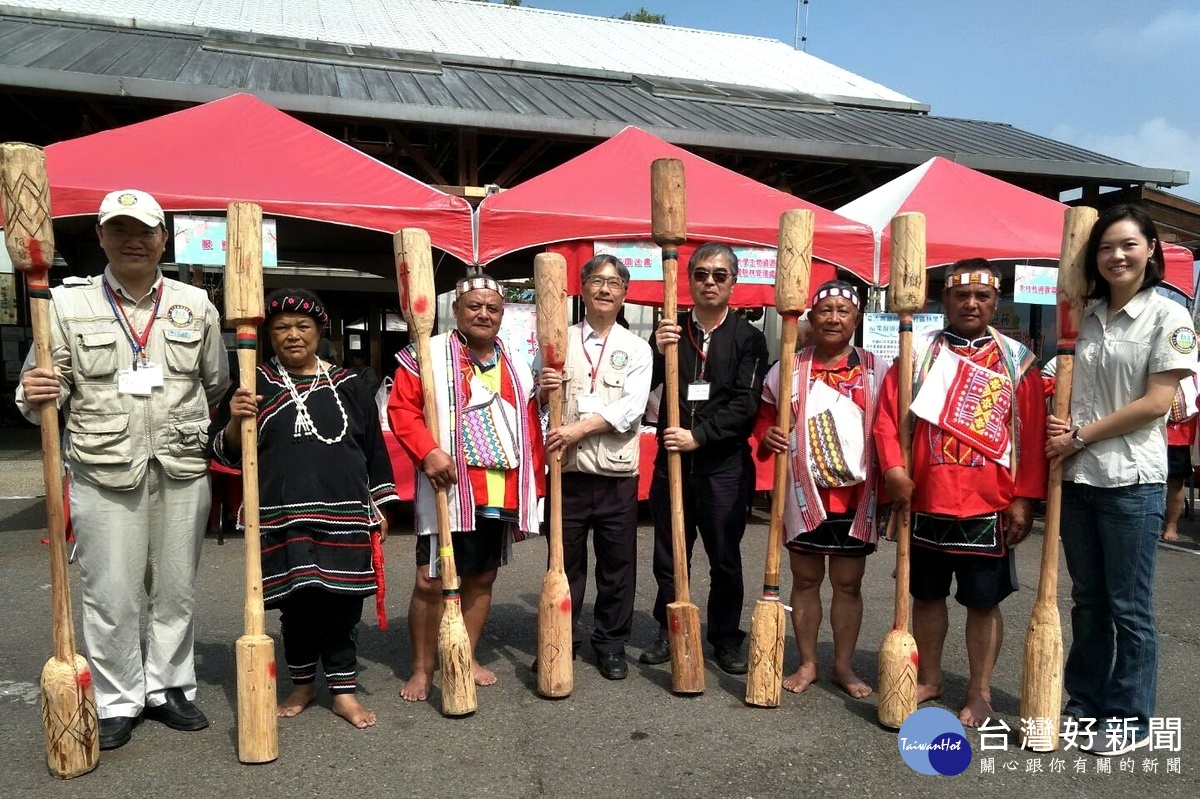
[
  {"x": 499, "y": 33},
  {"x": 306, "y": 76}
]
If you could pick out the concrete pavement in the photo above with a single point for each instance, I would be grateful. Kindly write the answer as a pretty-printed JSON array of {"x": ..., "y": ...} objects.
[{"x": 608, "y": 739}]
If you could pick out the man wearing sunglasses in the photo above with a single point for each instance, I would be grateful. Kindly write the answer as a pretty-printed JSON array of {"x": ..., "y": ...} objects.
[
  {"x": 722, "y": 362},
  {"x": 605, "y": 382}
]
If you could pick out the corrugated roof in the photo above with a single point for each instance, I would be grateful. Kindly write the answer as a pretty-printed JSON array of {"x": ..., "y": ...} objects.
[
  {"x": 304, "y": 76},
  {"x": 508, "y": 33}
]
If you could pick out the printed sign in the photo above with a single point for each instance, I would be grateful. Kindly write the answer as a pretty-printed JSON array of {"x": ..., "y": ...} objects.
[
  {"x": 881, "y": 332},
  {"x": 643, "y": 259},
  {"x": 202, "y": 240},
  {"x": 1035, "y": 285}
]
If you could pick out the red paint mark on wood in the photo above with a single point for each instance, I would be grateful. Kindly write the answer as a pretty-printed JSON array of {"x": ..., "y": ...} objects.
[
  {"x": 675, "y": 625},
  {"x": 552, "y": 358},
  {"x": 84, "y": 678},
  {"x": 565, "y": 605},
  {"x": 914, "y": 657},
  {"x": 420, "y": 304},
  {"x": 271, "y": 669}
]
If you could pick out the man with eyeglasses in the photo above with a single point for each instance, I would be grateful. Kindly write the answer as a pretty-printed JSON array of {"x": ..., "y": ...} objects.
[
  {"x": 722, "y": 363},
  {"x": 606, "y": 382},
  {"x": 138, "y": 363}
]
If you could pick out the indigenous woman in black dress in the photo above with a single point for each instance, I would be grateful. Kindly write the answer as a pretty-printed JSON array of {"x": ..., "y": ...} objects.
[{"x": 324, "y": 475}]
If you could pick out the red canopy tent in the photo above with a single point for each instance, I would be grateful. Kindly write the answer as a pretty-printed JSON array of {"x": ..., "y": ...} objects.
[
  {"x": 604, "y": 194},
  {"x": 240, "y": 148},
  {"x": 972, "y": 215}
]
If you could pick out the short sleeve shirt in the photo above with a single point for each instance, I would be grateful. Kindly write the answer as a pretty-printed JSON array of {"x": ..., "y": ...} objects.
[{"x": 1113, "y": 361}]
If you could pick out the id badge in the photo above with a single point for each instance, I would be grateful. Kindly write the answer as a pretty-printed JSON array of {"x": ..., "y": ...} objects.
[
  {"x": 590, "y": 403},
  {"x": 136, "y": 382},
  {"x": 153, "y": 373},
  {"x": 698, "y": 391}
]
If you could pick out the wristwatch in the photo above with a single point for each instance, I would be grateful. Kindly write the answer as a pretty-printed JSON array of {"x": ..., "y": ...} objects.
[{"x": 1077, "y": 440}]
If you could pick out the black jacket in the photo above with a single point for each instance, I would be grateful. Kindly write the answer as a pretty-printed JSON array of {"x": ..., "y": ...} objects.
[{"x": 735, "y": 368}]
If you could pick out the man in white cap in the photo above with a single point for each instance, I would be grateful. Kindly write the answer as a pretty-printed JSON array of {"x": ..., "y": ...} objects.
[
  {"x": 138, "y": 363},
  {"x": 487, "y": 454}
]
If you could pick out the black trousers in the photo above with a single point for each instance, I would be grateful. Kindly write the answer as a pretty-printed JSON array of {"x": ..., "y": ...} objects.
[
  {"x": 321, "y": 626},
  {"x": 607, "y": 507},
  {"x": 714, "y": 506}
]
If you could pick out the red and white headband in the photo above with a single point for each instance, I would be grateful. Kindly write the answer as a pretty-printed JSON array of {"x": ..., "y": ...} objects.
[
  {"x": 474, "y": 283},
  {"x": 974, "y": 279}
]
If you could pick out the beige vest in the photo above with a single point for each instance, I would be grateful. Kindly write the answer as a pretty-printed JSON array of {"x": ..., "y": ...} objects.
[
  {"x": 111, "y": 436},
  {"x": 611, "y": 454}
]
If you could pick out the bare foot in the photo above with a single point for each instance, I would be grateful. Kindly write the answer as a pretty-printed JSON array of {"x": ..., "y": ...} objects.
[
  {"x": 417, "y": 687},
  {"x": 482, "y": 676},
  {"x": 927, "y": 692},
  {"x": 849, "y": 682},
  {"x": 977, "y": 710},
  {"x": 803, "y": 677},
  {"x": 1171, "y": 536},
  {"x": 300, "y": 698},
  {"x": 348, "y": 707}
]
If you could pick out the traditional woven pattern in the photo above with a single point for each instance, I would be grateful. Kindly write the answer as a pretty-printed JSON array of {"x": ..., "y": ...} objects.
[
  {"x": 482, "y": 440},
  {"x": 976, "y": 409},
  {"x": 828, "y": 460},
  {"x": 974, "y": 535}
]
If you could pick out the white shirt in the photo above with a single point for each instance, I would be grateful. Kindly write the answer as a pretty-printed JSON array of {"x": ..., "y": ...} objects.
[{"x": 1113, "y": 361}]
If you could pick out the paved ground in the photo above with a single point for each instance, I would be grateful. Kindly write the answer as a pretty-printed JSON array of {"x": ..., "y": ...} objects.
[{"x": 625, "y": 739}]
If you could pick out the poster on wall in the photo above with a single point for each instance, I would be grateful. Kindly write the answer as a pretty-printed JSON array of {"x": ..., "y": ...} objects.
[
  {"x": 643, "y": 259},
  {"x": 881, "y": 332},
  {"x": 202, "y": 240}
]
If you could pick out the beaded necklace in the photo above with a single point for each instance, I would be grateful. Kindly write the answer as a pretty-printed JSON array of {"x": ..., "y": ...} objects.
[{"x": 304, "y": 423}]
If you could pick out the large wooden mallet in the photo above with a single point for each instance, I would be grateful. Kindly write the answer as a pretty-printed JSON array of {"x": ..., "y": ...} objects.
[
  {"x": 906, "y": 295},
  {"x": 414, "y": 273},
  {"x": 1042, "y": 670},
  {"x": 668, "y": 214},
  {"x": 258, "y": 726},
  {"x": 556, "y": 676},
  {"x": 768, "y": 624},
  {"x": 68, "y": 701}
]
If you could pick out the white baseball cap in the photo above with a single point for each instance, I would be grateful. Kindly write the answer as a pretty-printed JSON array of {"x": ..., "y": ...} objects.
[{"x": 133, "y": 203}]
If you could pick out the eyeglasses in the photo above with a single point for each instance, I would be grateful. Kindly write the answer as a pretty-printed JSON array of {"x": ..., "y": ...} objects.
[
  {"x": 598, "y": 281},
  {"x": 719, "y": 276}
]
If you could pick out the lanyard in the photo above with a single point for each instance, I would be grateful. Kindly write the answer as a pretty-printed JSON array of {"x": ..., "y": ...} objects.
[
  {"x": 594, "y": 368},
  {"x": 702, "y": 352},
  {"x": 136, "y": 340}
]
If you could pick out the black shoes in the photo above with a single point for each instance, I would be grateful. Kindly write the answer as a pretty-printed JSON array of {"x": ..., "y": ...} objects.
[
  {"x": 657, "y": 653},
  {"x": 730, "y": 659},
  {"x": 115, "y": 732},
  {"x": 612, "y": 665},
  {"x": 177, "y": 712}
]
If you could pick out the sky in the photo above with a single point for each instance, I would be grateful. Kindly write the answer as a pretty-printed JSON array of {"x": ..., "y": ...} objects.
[{"x": 1112, "y": 76}]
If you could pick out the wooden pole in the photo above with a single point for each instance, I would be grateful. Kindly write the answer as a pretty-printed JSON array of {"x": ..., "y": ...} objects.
[
  {"x": 898, "y": 653},
  {"x": 768, "y": 624},
  {"x": 68, "y": 700},
  {"x": 1042, "y": 666},
  {"x": 555, "y": 668},
  {"x": 258, "y": 725}
]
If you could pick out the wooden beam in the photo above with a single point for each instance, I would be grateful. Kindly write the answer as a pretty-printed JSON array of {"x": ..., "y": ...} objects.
[
  {"x": 432, "y": 175},
  {"x": 468, "y": 158},
  {"x": 518, "y": 164}
]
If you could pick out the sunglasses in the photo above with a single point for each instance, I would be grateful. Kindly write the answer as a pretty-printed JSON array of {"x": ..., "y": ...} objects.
[{"x": 719, "y": 276}]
